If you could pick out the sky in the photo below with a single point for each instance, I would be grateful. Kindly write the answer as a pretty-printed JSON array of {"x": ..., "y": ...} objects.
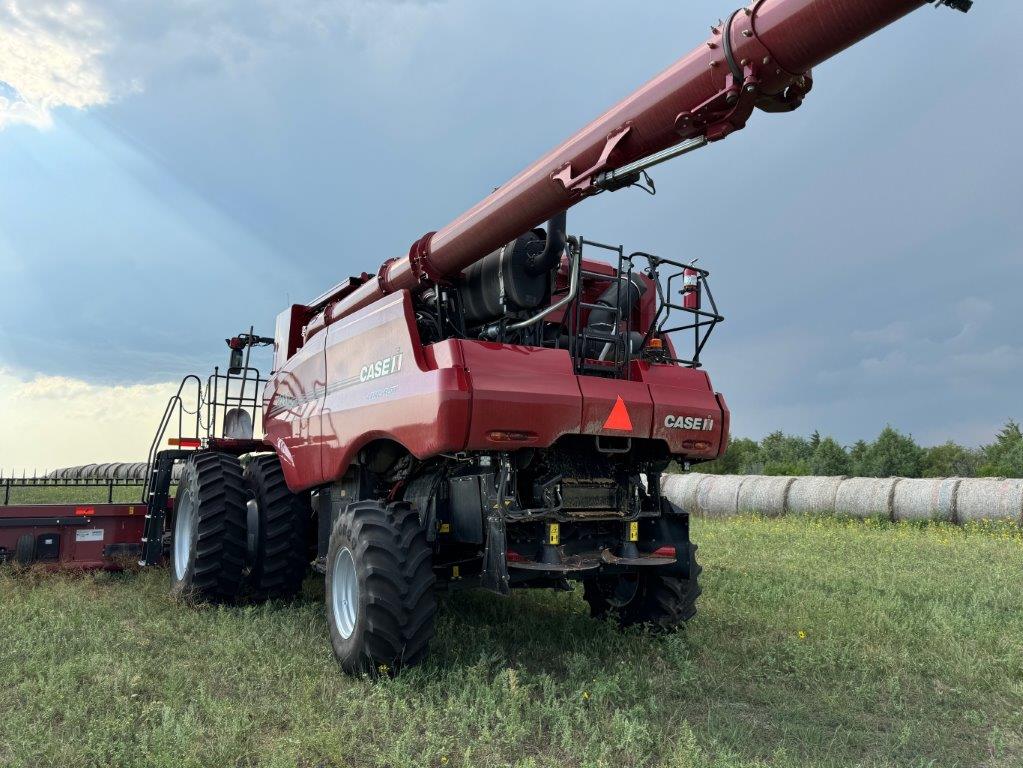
[{"x": 173, "y": 171}]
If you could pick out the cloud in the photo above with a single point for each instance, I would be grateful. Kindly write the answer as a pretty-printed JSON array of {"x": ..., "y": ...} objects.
[
  {"x": 54, "y": 421},
  {"x": 87, "y": 54},
  {"x": 49, "y": 57},
  {"x": 966, "y": 350}
]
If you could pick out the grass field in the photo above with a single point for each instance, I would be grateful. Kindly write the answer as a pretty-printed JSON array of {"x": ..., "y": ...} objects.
[
  {"x": 81, "y": 494},
  {"x": 818, "y": 643}
]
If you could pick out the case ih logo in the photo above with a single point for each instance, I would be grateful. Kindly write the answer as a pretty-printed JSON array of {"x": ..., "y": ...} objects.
[
  {"x": 689, "y": 422},
  {"x": 383, "y": 367}
]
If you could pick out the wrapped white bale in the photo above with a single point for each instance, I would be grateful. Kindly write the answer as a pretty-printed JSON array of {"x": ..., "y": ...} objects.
[
  {"x": 718, "y": 495},
  {"x": 764, "y": 495},
  {"x": 813, "y": 495},
  {"x": 989, "y": 499},
  {"x": 924, "y": 499},
  {"x": 682, "y": 490},
  {"x": 865, "y": 496}
]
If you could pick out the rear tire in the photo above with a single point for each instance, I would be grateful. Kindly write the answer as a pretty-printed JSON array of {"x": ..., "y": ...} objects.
[
  {"x": 279, "y": 552},
  {"x": 208, "y": 550},
  {"x": 25, "y": 549},
  {"x": 661, "y": 602},
  {"x": 379, "y": 588}
]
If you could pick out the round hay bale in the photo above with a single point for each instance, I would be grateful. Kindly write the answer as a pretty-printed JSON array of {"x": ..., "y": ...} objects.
[
  {"x": 989, "y": 499},
  {"x": 681, "y": 490},
  {"x": 718, "y": 495},
  {"x": 922, "y": 499},
  {"x": 764, "y": 495},
  {"x": 813, "y": 495},
  {"x": 865, "y": 497}
]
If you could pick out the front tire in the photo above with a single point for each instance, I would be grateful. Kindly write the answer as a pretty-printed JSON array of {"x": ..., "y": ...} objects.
[
  {"x": 278, "y": 523},
  {"x": 379, "y": 588},
  {"x": 209, "y": 543},
  {"x": 660, "y": 602}
]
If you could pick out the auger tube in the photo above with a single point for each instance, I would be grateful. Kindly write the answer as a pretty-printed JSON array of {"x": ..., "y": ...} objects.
[{"x": 760, "y": 58}]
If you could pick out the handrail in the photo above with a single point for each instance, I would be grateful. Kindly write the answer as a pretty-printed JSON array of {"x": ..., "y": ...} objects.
[{"x": 168, "y": 414}]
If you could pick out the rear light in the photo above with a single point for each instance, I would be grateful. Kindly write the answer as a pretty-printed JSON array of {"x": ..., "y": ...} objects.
[
  {"x": 514, "y": 557},
  {"x": 503, "y": 436},
  {"x": 667, "y": 551},
  {"x": 185, "y": 442},
  {"x": 85, "y": 511},
  {"x": 695, "y": 445}
]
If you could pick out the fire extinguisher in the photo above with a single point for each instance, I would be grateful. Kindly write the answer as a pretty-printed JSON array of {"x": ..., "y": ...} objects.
[{"x": 690, "y": 288}]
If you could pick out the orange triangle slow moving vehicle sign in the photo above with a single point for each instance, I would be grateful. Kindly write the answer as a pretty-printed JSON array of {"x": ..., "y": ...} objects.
[{"x": 619, "y": 419}]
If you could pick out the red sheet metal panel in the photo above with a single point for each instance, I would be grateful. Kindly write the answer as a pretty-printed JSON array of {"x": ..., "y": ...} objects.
[
  {"x": 86, "y": 535},
  {"x": 520, "y": 389}
]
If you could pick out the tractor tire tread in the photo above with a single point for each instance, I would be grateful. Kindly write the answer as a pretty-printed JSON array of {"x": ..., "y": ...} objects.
[
  {"x": 390, "y": 543},
  {"x": 281, "y": 559},
  {"x": 662, "y": 603},
  {"x": 221, "y": 539}
]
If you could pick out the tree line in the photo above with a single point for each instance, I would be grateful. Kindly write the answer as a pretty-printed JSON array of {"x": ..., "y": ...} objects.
[{"x": 892, "y": 454}]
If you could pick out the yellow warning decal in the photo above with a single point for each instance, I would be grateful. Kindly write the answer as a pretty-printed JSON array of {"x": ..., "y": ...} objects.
[
  {"x": 445, "y": 527},
  {"x": 634, "y": 531},
  {"x": 455, "y": 572},
  {"x": 554, "y": 534}
]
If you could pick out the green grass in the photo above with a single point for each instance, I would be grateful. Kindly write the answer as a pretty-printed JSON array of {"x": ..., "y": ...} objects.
[
  {"x": 818, "y": 643},
  {"x": 64, "y": 494}
]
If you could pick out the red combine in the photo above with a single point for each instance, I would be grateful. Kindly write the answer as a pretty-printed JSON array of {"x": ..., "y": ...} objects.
[{"x": 495, "y": 408}]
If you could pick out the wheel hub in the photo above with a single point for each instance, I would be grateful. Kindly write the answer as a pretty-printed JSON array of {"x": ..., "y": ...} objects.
[
  {"x": 184, "y": 532},
  {"x": 344, "y": 606},
  {"x": 252, "y": 526}
]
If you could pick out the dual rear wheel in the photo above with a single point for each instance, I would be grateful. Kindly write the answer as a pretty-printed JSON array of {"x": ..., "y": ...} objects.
[{"x": 237, "y": 533}]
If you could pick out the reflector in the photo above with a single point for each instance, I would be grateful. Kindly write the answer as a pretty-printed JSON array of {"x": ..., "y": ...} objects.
[{"x": 619, "y": 419}]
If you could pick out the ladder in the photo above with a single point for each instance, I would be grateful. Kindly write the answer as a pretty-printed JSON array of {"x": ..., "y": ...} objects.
[
  {"x": 603, "y": 351},
  {"x": 161, "y": 473}
]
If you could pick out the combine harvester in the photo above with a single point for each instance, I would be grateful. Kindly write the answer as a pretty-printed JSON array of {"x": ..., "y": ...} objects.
[{"x": 483, "y": 410}]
